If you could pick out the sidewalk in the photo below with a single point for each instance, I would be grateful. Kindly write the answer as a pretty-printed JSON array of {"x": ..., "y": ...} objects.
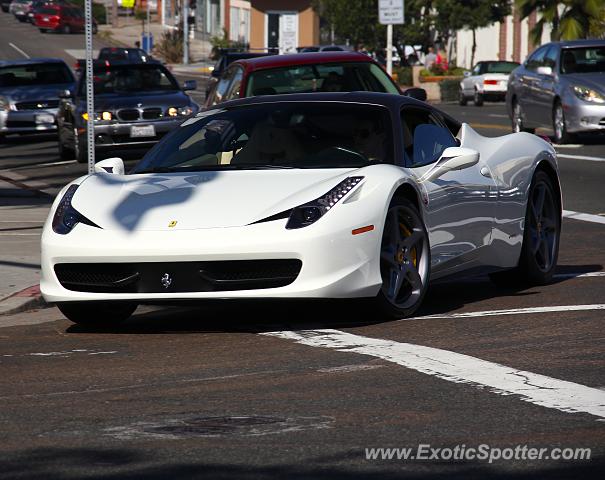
[
  {"x": 129, "y": 31},
  {"x": 22, "y": 214}
]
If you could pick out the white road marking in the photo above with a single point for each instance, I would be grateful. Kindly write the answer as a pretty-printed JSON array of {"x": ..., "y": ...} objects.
[
  {"x": 581, "y": 157},
  {"x": 567, "y": 145},
  {"x": 497, "y": 115},
  {"x": 585, "y": 217},
  {"x": 348, "y": 368},
  {"x": 579, "y": 275},
  {"x": 511, "y": 311},
  {"x": 458, "y": 368},
  {"x": 19, "y": 50}
]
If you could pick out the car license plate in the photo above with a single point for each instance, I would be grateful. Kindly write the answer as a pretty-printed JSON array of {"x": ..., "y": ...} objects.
[
  {"x": 46, "y": 19},
  {"x": 45, "y": 118},
  {"x": 143, "y": 131}
]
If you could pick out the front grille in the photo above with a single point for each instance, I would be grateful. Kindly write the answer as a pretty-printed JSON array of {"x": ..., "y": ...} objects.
[
  {"x": 160, "y": 277},
  {"x": 37, "y": 105},
  {"x": 128, "y": 114},
  {"x": 20, "y": 124},
  {"x": 602, "y": 122},
  {"x": 152, "y": 113}
]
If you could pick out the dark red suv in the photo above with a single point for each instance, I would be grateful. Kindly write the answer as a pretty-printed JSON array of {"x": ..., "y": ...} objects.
[
  {"x": 61, "y": 18},
  {"x": 301, "y": 73}
]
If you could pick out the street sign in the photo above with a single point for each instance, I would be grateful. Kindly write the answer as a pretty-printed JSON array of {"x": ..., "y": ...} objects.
[
  {"x": 127, "y": 3},
  {"x": 390, "y": 12},
  {"x": 90, "y": 94}
]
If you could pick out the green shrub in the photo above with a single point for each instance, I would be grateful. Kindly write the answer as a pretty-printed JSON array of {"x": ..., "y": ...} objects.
[
  {"x": 404, "y": 74},
  {"x": 449, "y": 90},
  {"x": 170, "y": 46},
  {"x": 98, "y": 10}
]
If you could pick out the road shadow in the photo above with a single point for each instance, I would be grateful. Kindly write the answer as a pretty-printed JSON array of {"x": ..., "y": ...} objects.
[
  {"x": 265, "y": 315},
  {"x": 60, "y": 463}
]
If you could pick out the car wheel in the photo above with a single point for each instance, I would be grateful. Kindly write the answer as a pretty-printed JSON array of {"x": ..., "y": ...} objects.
[
  {"x": 404, "y": 261},
  {"x": 478, "y": 99},
  {"x": 517, "y": 120},
  {"x": 461, "y": 98},
  {"x": 541, "y": 236},
  {"x": 66, "y": 29},
  {"x": 97, "y": 314},
  {"x": 558, "y": 125},
  {"x": 95, "y": 29},
  {"x": 43, "y": 30}
]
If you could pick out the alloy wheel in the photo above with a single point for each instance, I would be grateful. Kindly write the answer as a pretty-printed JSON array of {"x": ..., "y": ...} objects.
[
  {"x": 517, "y": 118},
  {"x": 543, "y": 226},
  {"x": 403, "y": 258},
  {"x": 559, "y": 124}
]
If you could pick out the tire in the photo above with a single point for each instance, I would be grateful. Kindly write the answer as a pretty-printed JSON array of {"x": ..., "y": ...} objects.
[
  {"x": 541, "y": 237},
  {"x": 43, "y": 30},
  {"x": 66, "y": 29},
  {"x": 95, "y": 29},
  {"x": 517, "y": 119},
  {"x": 97, "y": 314},
  {"x": 561, "y": 135},
  {"x": 405, "y": 260},
  {"x": 461, "y": 98},
  {"x": 478, "y": 99}
]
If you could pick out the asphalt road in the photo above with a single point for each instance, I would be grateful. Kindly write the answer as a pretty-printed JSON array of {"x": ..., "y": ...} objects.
[{"x": 300, "y": 390}]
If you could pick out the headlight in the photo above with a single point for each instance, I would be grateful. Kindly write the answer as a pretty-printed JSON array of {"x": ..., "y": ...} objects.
[
  {"x": 309, "y": 213},
  {"x": 67, "y": 217},
  {"x": 179, "y": 111},
  {"x": 588, "y": 94},
  {"x": 4, "y": 104},
  {"x": 99, "y": 116}
]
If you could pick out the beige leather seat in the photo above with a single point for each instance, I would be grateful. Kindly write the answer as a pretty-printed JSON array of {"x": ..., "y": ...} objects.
[{"x": 270, "y": 144}]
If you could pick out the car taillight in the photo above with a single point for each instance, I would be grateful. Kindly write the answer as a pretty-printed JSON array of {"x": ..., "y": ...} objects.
[{"x": 490, "y": 82}]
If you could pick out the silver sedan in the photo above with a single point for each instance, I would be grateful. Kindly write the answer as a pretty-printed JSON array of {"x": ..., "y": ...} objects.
[{"x": 560, "y": 86}]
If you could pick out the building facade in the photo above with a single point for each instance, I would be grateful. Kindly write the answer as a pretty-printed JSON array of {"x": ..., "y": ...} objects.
[{"x": 508, "y": 40}]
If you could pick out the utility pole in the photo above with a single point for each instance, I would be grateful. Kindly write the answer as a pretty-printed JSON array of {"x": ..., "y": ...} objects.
[
  {"x": 90, "y": 104},
  {"x": 148, "y": 50},
  {"x": 114, "y": 13},
  {"x": 186, "y": 32},
  {"x": 390, "y": 12}
]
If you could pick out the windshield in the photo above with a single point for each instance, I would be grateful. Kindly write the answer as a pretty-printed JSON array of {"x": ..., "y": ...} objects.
[
  {"x": 276, "y": 135},
  {"x": 35, "y": 74},
  {"x": 583, "y": 60},
  {"x": 131, "y": 78},
  {"x": 500, "y": 67},
  {"x": 336, "y": 77}
]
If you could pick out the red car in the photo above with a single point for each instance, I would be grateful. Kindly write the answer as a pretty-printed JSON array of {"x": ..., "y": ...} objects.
[
  {"x": 301, "y": 73},
  {"x": 61, "y": 18}
]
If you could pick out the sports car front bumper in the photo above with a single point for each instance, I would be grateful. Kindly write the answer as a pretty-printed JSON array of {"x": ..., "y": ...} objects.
[{"x": 335, "y": 263}]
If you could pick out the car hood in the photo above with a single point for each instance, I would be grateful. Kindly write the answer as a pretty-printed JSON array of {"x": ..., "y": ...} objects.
[
  {"x": 198, "y": 200},
  {"x": 38, "y": 92},
  {"x": 595, "y": 81},
  {"x": 128, "y": 100}
]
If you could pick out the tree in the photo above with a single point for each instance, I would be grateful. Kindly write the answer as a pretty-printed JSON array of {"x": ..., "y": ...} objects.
[
  {"x": 569, "y": 19},
  {"x": 453, "y": 15}
]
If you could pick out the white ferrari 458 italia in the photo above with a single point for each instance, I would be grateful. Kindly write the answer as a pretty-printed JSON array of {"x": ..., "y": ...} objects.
[{"x": 336, "y": 195}]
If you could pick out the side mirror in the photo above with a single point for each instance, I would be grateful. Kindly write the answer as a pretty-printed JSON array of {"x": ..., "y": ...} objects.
[
  {"x": 189, "y": 85},
  {"x": 65, "y": 94},
  {"x": 113, "y": 165},
  {"x": 452, "y": 158},
  {"x": 544, "y": 70},
  {"x": 467, "y": 73},
  {"x": 417, "y": 93}
]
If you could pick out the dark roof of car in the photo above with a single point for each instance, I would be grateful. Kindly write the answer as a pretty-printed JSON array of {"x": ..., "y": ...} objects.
[
  {"x": 29, "y": 61},
  {"x": 580, "y": 43},
  {"x": 388, "y": 100},
  {"x": 277, "y": 61}
]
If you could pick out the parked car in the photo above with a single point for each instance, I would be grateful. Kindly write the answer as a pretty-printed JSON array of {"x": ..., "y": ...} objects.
[
  {"x": 227, "y": 58},
  {"x": 61, "y": 18},
  {"x": 125, "y": 54},
  {"x": 136, "y": 104},
  {"x": 486, "y": 81},
  {"x": 5, "y": 5},
  {"x": 20, "y": 9},
  {"x": 297, "y": 73},
  {"x": 561, "y": 86},
  {"x": 324, "y": 195},
  {"x": 38, "y": 4},
  {"x": 29, "y": 94}
]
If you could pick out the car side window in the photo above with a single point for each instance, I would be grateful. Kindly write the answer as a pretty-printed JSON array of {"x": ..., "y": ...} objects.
[
  {"x": 223, "y": 86},
  {"x": 536, "y": 59},
  {"x": 550, "y": 59},
  {"x": 424, "y": 137},
  {"x": 477, "y": 69},
  {"x": 235, "y": 84}
]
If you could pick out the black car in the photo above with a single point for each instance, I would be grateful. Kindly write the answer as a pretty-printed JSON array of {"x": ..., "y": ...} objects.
[
  {"x": 113, "y": 54},
  {"x": 136, "y": 104},
  {"x": 226, "y": 59}
]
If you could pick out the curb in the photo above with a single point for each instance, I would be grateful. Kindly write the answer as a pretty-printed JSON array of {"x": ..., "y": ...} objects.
[{"x": 27, "y": 299}]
